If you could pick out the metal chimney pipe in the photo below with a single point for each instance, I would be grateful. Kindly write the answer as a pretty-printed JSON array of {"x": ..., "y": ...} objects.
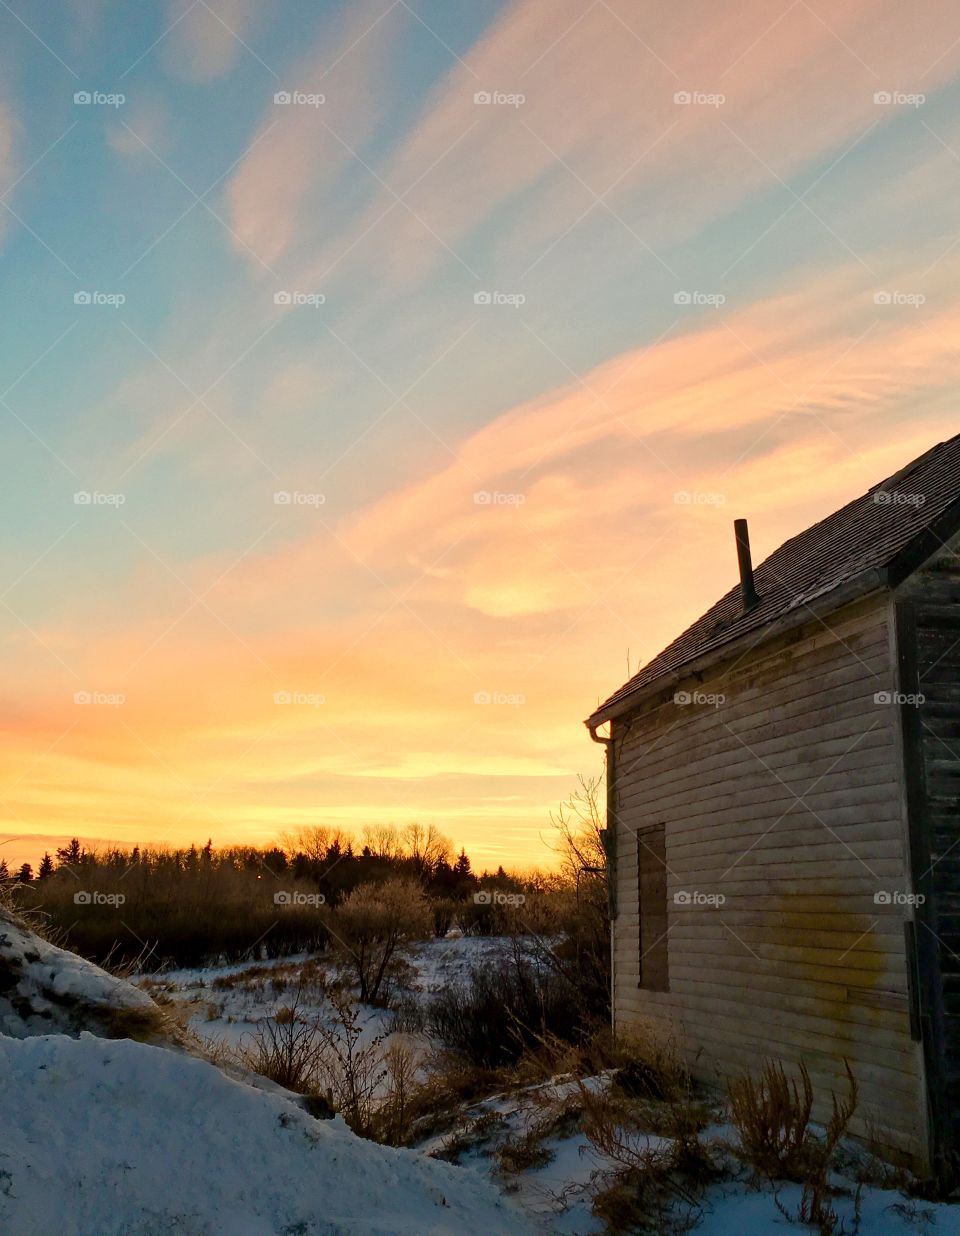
[{"x": 747, "y": 589}]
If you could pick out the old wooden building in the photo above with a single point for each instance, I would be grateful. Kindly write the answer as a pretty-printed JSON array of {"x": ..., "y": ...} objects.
[{"x": 783, "y": 825}]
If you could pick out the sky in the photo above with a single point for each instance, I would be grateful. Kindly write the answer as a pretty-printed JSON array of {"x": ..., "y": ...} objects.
[{"x": 379, "y": 381}]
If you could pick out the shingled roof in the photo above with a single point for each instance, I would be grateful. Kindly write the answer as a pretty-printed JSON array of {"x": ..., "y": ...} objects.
[{"x": 878, "y": 538}]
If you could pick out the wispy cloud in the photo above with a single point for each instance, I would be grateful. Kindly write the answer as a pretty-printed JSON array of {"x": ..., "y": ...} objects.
[
  {"x": 290, "y": 186},
  {"x": 583, "y": 137}
]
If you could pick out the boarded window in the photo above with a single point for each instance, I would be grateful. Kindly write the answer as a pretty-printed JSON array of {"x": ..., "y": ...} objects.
[{"x": 652, "y": 876}]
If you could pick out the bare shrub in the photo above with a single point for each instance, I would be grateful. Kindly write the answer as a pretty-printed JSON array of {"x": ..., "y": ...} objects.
[
  {"x": 403, "y": 1101},
  {"x": 327, "y": 1057},
  {"x": 498, "y": 1013},
  {"x": 371, "y": 924},
  {"x": 408, "y": 1014},
  {"x": 286, "y": 1048},
  {"x": 523, "y": 1151},
  {"x": 349, "y": 1071},
  {"x": 444, "y": 910},
  {"x": 551, "y": 1116},
  {"x": 583, "y": 900}
]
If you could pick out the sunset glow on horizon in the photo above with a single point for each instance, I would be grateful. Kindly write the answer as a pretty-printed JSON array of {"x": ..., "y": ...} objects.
[{"x": 380, "y": 381}]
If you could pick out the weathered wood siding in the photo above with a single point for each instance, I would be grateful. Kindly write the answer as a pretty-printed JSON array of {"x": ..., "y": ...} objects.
[{"x": 784, "y": 797}]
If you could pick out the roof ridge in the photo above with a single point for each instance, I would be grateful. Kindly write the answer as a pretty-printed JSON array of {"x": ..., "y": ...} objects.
[{"x": 907, "y": 469}]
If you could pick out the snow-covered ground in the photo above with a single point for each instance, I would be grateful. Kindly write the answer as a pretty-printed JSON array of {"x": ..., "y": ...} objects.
[
  {"x": 121, "y": 1138},
  {"x": 556, "y": 1195},
  {"x": 109, "y": 1137},
  {"x": 226, "y": 1003},
  {"x": 115, "y": 1137}
]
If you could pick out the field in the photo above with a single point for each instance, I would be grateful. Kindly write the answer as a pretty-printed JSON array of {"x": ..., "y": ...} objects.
[{"x": 527, "y": 1136}]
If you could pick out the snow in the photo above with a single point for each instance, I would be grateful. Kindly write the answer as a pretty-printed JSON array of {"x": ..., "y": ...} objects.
[
  {"x": 116, "y": 1138},
  {"x": 230, "y": 1001},
  {"x": 554, "y": 1195},
  {"x": 107, "y": 1137},
  {"x": 883, "y": 1213},
  {"x": 44, "y": 988}
]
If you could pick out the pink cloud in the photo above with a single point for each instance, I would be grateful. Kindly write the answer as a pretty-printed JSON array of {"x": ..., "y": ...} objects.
[{"x": 599, "y": 114}]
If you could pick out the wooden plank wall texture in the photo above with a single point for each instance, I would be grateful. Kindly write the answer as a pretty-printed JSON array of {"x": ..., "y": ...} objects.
[{"x": 784, "y": 798}]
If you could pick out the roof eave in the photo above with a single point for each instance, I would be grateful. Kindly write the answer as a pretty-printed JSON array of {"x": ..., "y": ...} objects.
[{"x": 874, "y": 580}]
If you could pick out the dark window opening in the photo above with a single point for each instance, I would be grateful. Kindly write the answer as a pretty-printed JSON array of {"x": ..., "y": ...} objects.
[{"x": 652, "y": 880}]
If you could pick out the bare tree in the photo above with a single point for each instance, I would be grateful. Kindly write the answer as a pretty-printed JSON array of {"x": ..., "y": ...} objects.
[
  {"x": 383, "y": 840},
  {"x": 580, "y": 822},
  {"x": 313, "y": 840},
  {"x": 427, "y": 847},
  {"x": 585, "y": 957}
]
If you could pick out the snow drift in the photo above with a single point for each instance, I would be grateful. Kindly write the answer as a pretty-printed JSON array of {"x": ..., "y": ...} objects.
[
  {"x": 44, "y": 988},
  {"x": 107, "y": 1136},
  {"x": 120, "y": 1137}
]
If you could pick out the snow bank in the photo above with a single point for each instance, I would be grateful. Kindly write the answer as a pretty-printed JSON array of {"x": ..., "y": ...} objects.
[
  {"x": 44, "y": 988},
  {"x": 120, "y": 1137}
]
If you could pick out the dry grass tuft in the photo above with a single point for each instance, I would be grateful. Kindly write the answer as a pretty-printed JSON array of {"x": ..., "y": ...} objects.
[{"x": 772, "y": 1116}]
